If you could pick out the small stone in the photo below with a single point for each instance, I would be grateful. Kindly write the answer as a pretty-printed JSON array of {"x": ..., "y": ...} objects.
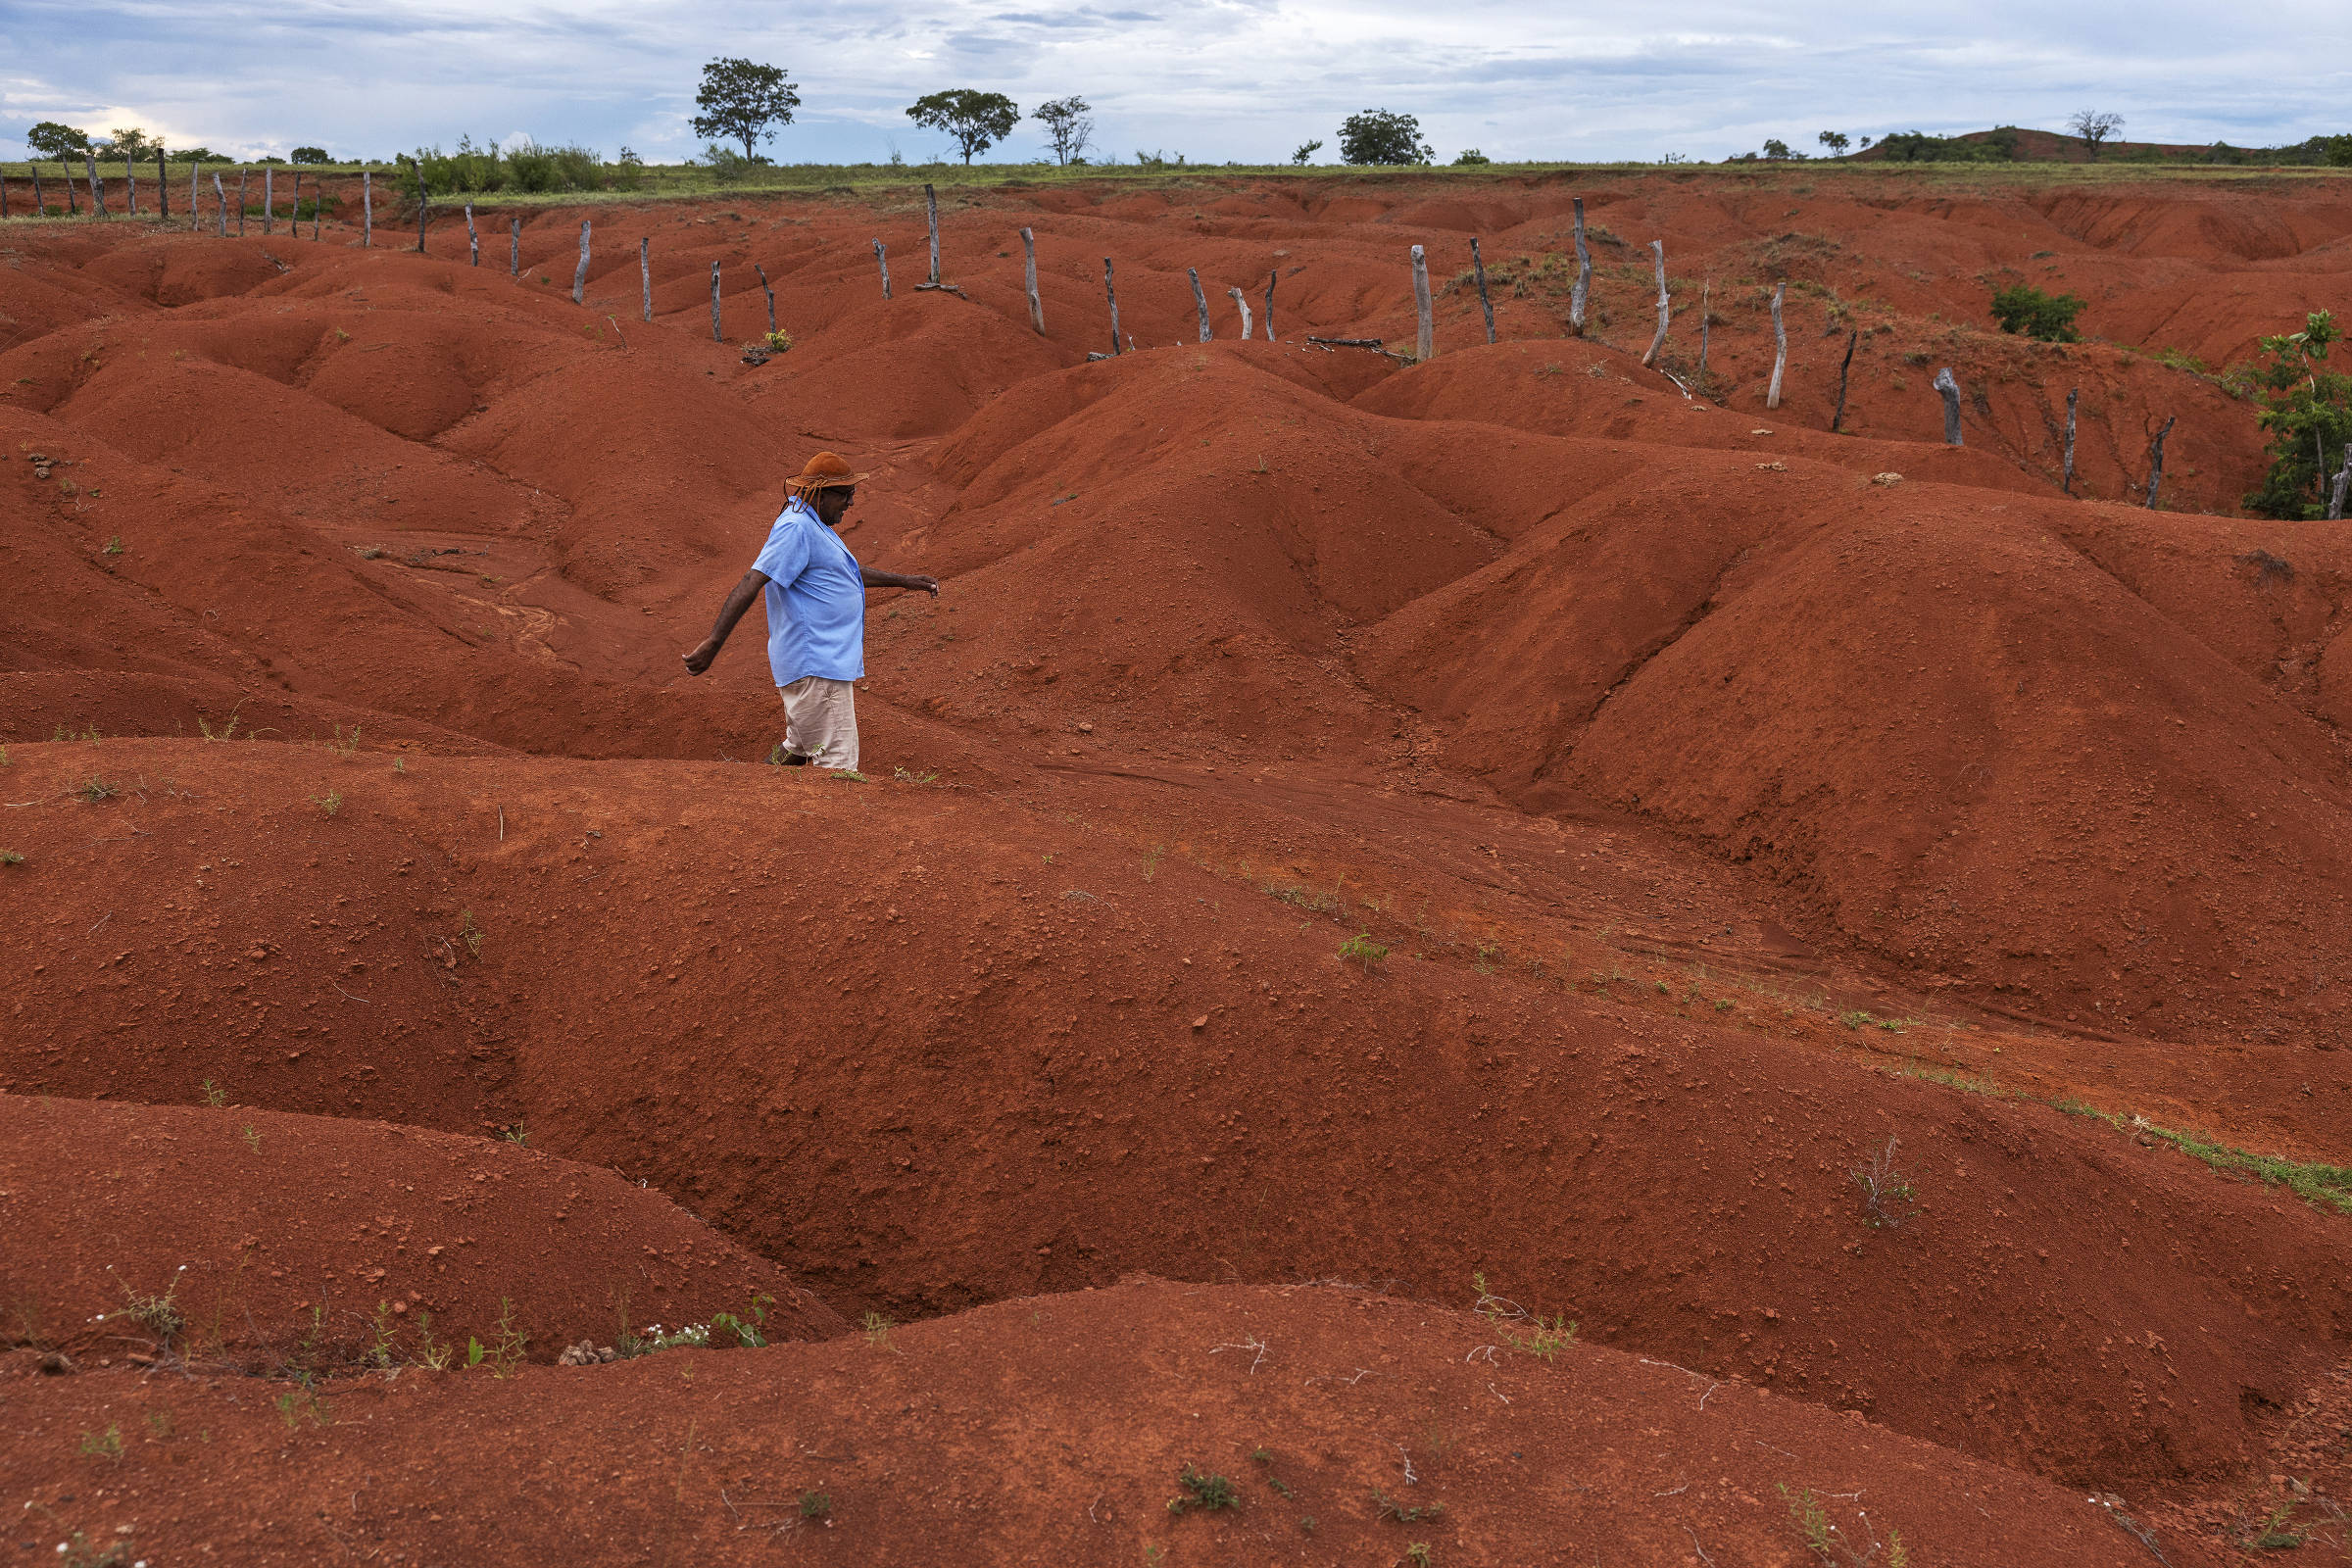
[
  {"x": 1889, "y": 479},
  {"x": 1200, "y": 1023}
]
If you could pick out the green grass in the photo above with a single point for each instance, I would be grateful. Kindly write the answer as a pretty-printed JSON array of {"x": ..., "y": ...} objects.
[{"x": 1207, "y": 1492}]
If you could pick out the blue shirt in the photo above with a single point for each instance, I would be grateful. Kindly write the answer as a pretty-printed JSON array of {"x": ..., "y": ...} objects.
[{"x": 815, "y": 599}]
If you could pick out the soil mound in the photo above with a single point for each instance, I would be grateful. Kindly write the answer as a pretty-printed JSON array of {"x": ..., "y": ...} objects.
[
  {"x": 1151, "y": 1420},
  {"x": 224, "y": 1237}
]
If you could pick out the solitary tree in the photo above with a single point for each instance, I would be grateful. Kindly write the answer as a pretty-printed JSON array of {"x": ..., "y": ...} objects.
[
  {"x": 977, "y": 119},
  {"x": 1306, "y": 150},
  {"x": 311, "y": 154},
  {"x": 1776, "y": 148},
  {"x": 1069, "y": 126},
  {"x": 2095, "y": 127},
  {"x": 1837, "y": 141},
  {"x": 745, "y": 102},
  {"x": 1377, "y": 137},
  {"x": 52, "y": 140}
]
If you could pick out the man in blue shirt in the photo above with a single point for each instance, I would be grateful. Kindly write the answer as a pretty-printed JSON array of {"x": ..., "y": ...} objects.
[{"x": 815, "y": 599}]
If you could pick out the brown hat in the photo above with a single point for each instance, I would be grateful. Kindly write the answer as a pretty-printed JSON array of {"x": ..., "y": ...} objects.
[{"x": 826, "y": 471}]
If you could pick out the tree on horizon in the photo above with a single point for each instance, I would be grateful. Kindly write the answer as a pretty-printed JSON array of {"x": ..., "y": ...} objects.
[
  {"x": 745, "y": 102},
  {"x": 977, "y": 119}
]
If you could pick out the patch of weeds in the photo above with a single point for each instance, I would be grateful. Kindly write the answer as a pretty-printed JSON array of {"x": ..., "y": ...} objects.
[
  {"x": 503, "y": 1354},
  {"x": 1207, "y": 1492},
  {"x": 159, "y": 1424},
  {"x": 431, "y": 1352},
  {"x": 877, "y": 1329},
  {"x": 228, "y": 731},
  {"x": 77, "y": 1552},
  {"x": 1361, "y": 949},
  {"x": 11, "y": 857},
  {"x": 1545, "y": 1341},
  {"x": 343, "y": 746},
  {"x": 95, "y": 788},
  {"x": 1830, "y": 1544},
  {"x": 1418, "y": 1554},
  {"x": 1722, "y": 1004},
  {"x": 1151, "y": 859},
  {"x": 400, "y": 764},
  {"x": 107, "y": 1444},
  {"x": 214, "y": 1094},
  {"x": 845, "y": 775},
  {"x": 1385, "y": 1506},
  {"x": 1859, "y": 1019},
  {"x": 114, "y": 546},
  {"x": 158, "y": 1315},
  {"x": 1265, "y": 1456},
  {"x": 2321, "y": 1184},
  {"x": 253, "y": 1138},
  {"x": 747, "y": 1336},
  {"x": 328, "y": 803},
  {"x": 817, "y": 1505},
  {"x": 297, "y": 1405},
  {"x": 1888, "y": 1197},
  {"x": 518, "y": 1135},
  {"x": 379, "y": 1353},
  {"x": 471, "y": 933},
  {"x": 1307, "y": 1524},
  {"x": 904, "y": 777}
]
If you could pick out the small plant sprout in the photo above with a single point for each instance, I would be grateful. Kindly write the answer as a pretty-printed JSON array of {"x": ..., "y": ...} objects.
[
  {"x": 253, "y": 1138},
  {"x": 1361, "y": 949},
  {"x": 328, "y": 803},
  {"x": 114, "y": 546},
  {"x": 158, "y": 1315},
  {"x": 344, "y": 747},
  {"x": 95, "y": 788},
  {"x": 214, "y": 1094},
  {"x": 518, "y": 1135},
  {"x": 1832, "y": 1547},
  {"x": 1887, "y": 1193},
  {"x": 107, "y": 1444},
  {"x": 430, "y": 1352},
  {"x": 11, "y": 857},
  {"x": 1207, "y": 1493},
  {"x": 817, "y": 1505},
  {"x": 1388, "y": 1507},
  {"x": 298, "y": 1405},
  {"x": 1418, "y": 1554},
  {"x": 877, "y": 1331},
  {"x": 380, "y": 1353}
]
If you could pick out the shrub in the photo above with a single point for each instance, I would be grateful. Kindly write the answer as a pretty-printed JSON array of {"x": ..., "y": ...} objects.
[
  {"x": 1471, "y": 155},
  {"x": 1207, "y": 1493},
  {"x": 2022, "y": 307},
  {"x": 1379, "y": 136},
  {"x": 2307, "y": 408}
]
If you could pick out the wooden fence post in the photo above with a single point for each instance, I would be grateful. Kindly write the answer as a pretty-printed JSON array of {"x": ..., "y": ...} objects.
[
  {"x": 1270, "y": 277},
  {"x": 1111, "y": 294},
  {"x": 40, "y": 208},
  {"x": 2072, "y": 394},
  {"x": 243, "y": 175},
  {"x": 1037, "y": 306},
  {"x": 1853, "y": 336},
  {"x": 1780, "y": 349},
  {"x": 1582, "y": 291},
  {"x": 97, "y": 190},
  {"x": 269, "y": 198},
  {"x": 425, "y": 206},
  {"x": 1952, "y": 406},
  {"x": 65, "y": 176},
  {"x": 318, "y": 205},
  {"x": 1705, "y": 288},
  {"x": 714, "y": 332},
  {"x": 130, "y": 183},
  {"x": 367, "y": 208},
  {"x": 931, "y": 200},
  {"x": 515, "y": 245},
  {"x": 2156, "y": 460},
  {"x": 1478, "y": 264},
  {"x": 579, "y": 273},
  {"x": 3, "y": 193},
  {"x": 162, "y": 187},
  {"x": 294, "y": 212},
  {"x": 219, "y": 204},
  {"x": 2343, "y": 482},
  {"x": 1657, "y": 253},
  {"x": 1425, "y": 338},
  {"x": 473, "y": 240},
  {"x": 882, "y": 260},
  {"x": 645, "y": 272},
  {"x": 1199, "y": 301},
  {"x": 771, "y": 297},
  {"x": 1244, "y": 304},
  {"x": 195, "y": 197}
]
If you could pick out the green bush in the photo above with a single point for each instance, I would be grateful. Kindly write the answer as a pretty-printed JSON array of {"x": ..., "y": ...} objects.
[
  {"x": 469, "y": 168},
  {"x": 2022, "y": 307},
  {"x": 2307, "y": 408}
]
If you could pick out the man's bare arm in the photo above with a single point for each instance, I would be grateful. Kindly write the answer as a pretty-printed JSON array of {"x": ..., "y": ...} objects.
[
  {"x": 892, "y": 579},
  {"x": 739, "y": 601}
]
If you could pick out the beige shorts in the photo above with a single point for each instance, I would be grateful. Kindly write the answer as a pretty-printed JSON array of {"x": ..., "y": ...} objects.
[{"x": 820, "y": 721}]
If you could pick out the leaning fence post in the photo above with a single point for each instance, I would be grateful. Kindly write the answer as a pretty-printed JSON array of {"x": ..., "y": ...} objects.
[
  {"x": 1705, "y": 287},
  {"x": 269, "y": 198},
  {"x": 40, "y": 208},
  {"x": 2344, "y": 481},
  {"x": 195, "y": 197},
  {"x": 1478, "y": 264},
  {"x": 645, "y": 272},
  {"x": 771, "y": 297},
  {"x": 1852, "y": 337},
  {"x": 1243, "y": 306},
  {"x": 882, "y": 260},
  {"x": 714, "y": 332},
  {"x": 1425, "y": 338},
  {"x": 579, "y": 273},
  {"x": 243, "y": 175},
  {"x": 1199, "y": 301},
  {"x": 931, "y": 200},
  {"x": 130, "y": 182},
  {"x": 318, "y": 205},
  {"x": 97, "y": 190},
  {"x": 2072, "y": 394},
  {"x": 1583, "y": 274},
  {"x": 1113, "y": 295},
  {"x": 1657, "y": 252},
  {"x": 2156, "y": 460},
  {"x": 515, "y": 246},
  {"x": 473, "y": 240},
  {"x": 1952, "y": 406},
  {"x": 219, "y": 204},
  {"x": 367, "y": 208},
  {"x": 162, "y": 187},
  {"x": 64, "y": 175},
  {"x": 1270, "y": 277},
  {"x": 423, "y": 206},
  {"x": 1779, "y": 348},
  {"x": 1037, "y": 306},
  {"x": 294, "y": 211}
]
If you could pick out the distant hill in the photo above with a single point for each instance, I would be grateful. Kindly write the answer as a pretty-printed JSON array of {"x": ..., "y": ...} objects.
[{"x": 2015, "y": 144}]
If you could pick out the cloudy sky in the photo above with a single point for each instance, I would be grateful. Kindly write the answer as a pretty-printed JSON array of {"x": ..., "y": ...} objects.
[{"x": 1215, "y": 79}]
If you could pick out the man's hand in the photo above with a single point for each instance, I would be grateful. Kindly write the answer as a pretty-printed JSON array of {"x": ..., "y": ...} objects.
[
  {"x": 929, "y": 585},
  {"x": 700, "y": 659},
  {"x": 892, "y": 579}
]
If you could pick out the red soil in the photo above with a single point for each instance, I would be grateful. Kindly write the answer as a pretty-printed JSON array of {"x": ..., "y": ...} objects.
[{"x": 1706, "y": 787}]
